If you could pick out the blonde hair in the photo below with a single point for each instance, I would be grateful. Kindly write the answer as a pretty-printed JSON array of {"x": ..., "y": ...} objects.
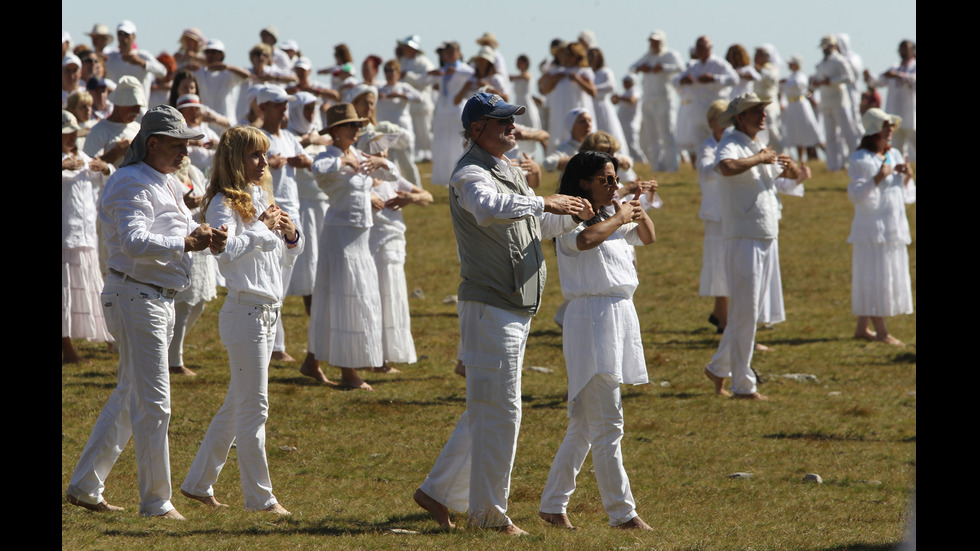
[
  {"x": 600, "y": 141},
  {"x": 228, "y": 171}
]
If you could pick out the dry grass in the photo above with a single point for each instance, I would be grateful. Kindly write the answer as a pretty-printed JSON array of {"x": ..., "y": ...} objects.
[{"x": 359, "y": 456}]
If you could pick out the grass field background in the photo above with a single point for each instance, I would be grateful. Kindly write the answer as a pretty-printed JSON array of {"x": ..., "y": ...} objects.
[{"x": 346, "y": 463}]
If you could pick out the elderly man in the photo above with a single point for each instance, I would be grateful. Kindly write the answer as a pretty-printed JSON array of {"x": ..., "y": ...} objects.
[
  {"x": 499, "y": 225},
  {"x": 658, "y": 67},
  {"x": 110, "y": 137},
  {"x": 750, "y": 225},
  {"x": 831, "y": 79},
  {"x": 149, "y": 232},
  {"x": 710, "y": 78},
  {"x": 101, "y": 38},
  {"x": 900, "y": 80},
  {"x": 130, "y": 61},
  {"x": 415, "y": 67}
]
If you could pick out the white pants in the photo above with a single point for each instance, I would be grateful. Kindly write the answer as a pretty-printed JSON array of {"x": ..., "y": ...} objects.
[
  {"x": 750, "y": 263},
  {"x": 185, "y": 316},
  {"x": 142, "y": 323},
  {"x": 657, "y": 135},
  {"x": 473, "y": 470},
  {"x": 841, "y": 134},
  {"x": 596, "y": 423},
  {"x": 247, "y": 330},
  {"x": 280, "y": 333}
]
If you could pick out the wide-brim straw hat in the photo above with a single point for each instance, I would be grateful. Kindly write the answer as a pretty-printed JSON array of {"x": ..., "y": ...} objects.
[
  {"x": 340, "y": 114},
  {"x": 874, "y": 120},
  {"x": 740, "y": 105}
]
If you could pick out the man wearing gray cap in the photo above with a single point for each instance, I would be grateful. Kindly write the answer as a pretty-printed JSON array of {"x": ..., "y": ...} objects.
[
  {"x": 148, "y": 231},
  {"x": 499, "y": 225}
]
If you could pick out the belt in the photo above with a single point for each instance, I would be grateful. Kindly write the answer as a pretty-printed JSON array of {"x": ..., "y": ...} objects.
[
  {"x": 251, "y": 299},
  {"x": 791, "y": 99},
  {"x": 165, "y": 293}
]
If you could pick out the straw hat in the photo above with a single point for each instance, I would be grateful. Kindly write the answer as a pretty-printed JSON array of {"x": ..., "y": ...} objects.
[
  {"x": 874, "y": 120},
  {"x": 341, "y": 113},
  {"x": 740, "y": 105}
]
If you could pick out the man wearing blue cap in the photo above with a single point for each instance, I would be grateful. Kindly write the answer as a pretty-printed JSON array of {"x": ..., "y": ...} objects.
[{"x": 499, "y": 225}]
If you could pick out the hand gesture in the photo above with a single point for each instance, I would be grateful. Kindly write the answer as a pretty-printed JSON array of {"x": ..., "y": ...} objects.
[
  {"x": 767, "y": 156},
  {"x": 287, "y": 227},
  {"x": 72, "y": 163},
  {"x": 219, "y": 236},
  {"x": 276, "y": 161},
  {"x": 270, "y": 217},
  {"x": 199, "y": 239},
  {"x": 396, "y": 203},
  {"x": 564, "y": 204}
]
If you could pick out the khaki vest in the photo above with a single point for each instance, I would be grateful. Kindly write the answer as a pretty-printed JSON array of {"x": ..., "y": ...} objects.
[{"x": 501, "y": 264}]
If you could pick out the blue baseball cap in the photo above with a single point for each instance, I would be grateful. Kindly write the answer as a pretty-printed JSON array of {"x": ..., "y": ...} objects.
[{"x": 483, "y": 105}]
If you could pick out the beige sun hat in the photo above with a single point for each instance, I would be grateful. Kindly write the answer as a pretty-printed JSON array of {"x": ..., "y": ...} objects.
[
  {"x": 488, "y": 39},
  {"x": 100, "y": 29},
  {"x": 128, "y": 92},
  {"x": 874, "y": 120},
  {"x": 340, "y": 114},
  {"x": 739, "y": 105},
  {"x": 716, "y": 108},
  {"x": 485, "y": 52},
  {"x": 69, "y": 123}
]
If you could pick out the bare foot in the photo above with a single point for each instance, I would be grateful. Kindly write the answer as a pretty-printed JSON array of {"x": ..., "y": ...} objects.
[
  {"x": 510, "y": 530},
  {"x": 753, "y": 396},
  {"x": 276, "y": 509},
  {"x": 437, "y": 510},
  {"x": 171, "y": 514},
  {"x": 385, "y": 368},
  {"x": 282, "y": 356},
  {"x": 718, "y": 381},
  {"x": 460, "y": 369},
  {"x": 210, "y": 501},
  {"x": 635, "y": 523},
  {"x": 350, "y": 379},
  {"x": 181, "y": 370},
  {"x": 762, "y": 348},
  {"x": 68, "y": 353},
  {"x": 868, "y": 335},
  {"x": 557, "y": 519},
  {"x": 888, "y": 339},
  {"x": 311, "y": 368}
]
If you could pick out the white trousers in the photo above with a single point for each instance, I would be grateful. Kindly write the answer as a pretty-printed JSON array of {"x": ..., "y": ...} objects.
[
  {"x": 247, "y": 330},
  {"x": 657, "y": 134},
  {"x": 750, "y": 263},
  {"x": 596, "y": 424},
  {"x": 142, "y": 323},
  {"x": 185, "y": 316},
  {"x": 841, "y": 135},
  {"x": 473, "y": 470},
  {"x": 280, "y": 333}
]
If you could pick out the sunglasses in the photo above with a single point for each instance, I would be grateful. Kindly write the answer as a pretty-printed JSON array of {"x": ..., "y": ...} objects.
[{"x": 503, "y": 122}]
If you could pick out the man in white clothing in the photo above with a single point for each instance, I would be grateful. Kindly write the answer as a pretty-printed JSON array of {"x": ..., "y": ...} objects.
[
  {"x": 218, "y": 82},
  {"x": 494, "y": 213},
  {"x": 659, "y": 66},
  {"x": 831, "y": 79},
  {"x": 109, "y": 139},
  {"x": 750, "y": 225},
  {"x": 148, "y": 231},
  {"x": 129, "y": 61},
  {"x": 900, "y": 80},
  {"x": 710, "y": 78}
]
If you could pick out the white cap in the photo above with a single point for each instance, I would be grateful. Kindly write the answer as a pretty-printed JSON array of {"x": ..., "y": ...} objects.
[
  {"x": 273, "y": 93},
  {"x": 215, "y": 44},
  {"x": 127, "y": 27}
]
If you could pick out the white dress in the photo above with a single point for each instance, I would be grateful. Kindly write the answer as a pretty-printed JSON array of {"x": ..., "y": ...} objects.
[
  {"x": 605, "y": 115},
  {"x": 714, "y": 281},
  {"x": 447, "y": 142},
  {"x": 800, "y": 128},
  {"x": 565, "y": 96},
  {"x": 881, "y": 284},
  {"x": 345, "y": 316},
  {"x": 388, "y": 248}
]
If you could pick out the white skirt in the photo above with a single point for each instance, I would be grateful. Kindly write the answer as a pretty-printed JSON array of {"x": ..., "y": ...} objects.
[
  {"x": 345, "y": 317},
  {"x": 687, "y": 127},
  {"x": 714, "y": 280},
  {"x": 311, "y": 213},
  {"x": 880, "y": 282},
  {"x": 800, "y": 127},
  {"x": 203, "y": 281},
  {"x": 81, "y": 296},
  {"x": 389, "y": 257}
]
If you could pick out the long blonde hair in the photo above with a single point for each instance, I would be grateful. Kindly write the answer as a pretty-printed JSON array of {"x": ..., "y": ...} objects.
[{"x": 228, "y": 172}]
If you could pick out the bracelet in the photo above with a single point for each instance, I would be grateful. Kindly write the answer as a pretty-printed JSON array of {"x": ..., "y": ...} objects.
[{"x": 286, "y": 239}]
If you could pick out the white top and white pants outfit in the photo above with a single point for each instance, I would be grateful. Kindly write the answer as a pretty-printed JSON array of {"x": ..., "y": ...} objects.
[
  {"x": 901, "y": 102},
  {"x": 145, "y": 224},
  {"x": 473, "y": 470},
  {"x": 750, "y": 222},
  {"x": 251, "y": 265},
  {"x": 841, "y": 132},
  {"x": 657, "y": 126},
  {"x": 603, "y": 349}
]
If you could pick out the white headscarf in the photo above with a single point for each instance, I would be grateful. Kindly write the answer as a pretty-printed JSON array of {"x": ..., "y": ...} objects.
[{"x": 297, "y": 122}]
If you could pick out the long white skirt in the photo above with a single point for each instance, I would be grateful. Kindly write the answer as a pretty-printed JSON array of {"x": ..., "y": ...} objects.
[
  {"x": 714, "y": 280},
  {"x": 345, "y": 317},
  {"x": 311, "y": 213},
  {"x": 880, "y": 281},
  {"x": 81, "y": 300},
  {"x": 389, "y": 257}
]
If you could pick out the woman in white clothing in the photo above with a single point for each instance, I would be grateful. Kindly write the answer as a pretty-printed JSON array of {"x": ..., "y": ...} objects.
[
  {"x": 394, "y": 100},
  {"x": 531, "y": 118},
  {"x": 605, "y": 83},
  {"x": 714, "y": 282},
  {"x": 261, "y": 237},
  {"x": 81, "y": 281},
  {"x": 800, "y": 128},
  {"x": 601, "y": 343},
  {"x": 345, "y": 318},
  {"x": 881, "y": 184},
  {"x": 447, "y": 145},
  {"x": 567, "y": 87}
]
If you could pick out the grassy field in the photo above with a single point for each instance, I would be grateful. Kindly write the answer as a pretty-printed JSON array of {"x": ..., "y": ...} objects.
[{"x": 346, "y": 463}]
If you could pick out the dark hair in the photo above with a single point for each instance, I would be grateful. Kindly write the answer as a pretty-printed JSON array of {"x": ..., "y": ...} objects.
[
  {"x": 178, "y": 78},
  {"x": 582, "y": 166}
]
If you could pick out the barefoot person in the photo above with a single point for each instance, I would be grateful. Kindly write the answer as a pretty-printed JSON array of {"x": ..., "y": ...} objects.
[
  {"x": 262, "y": 237},
  {"x": 881, "y": 184},
  {"x": 499, "y": 224},
  {"x": 601, "y": 338},
  {"x": 148, "y": 232},
  {"x": 751, "y": 175}
]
